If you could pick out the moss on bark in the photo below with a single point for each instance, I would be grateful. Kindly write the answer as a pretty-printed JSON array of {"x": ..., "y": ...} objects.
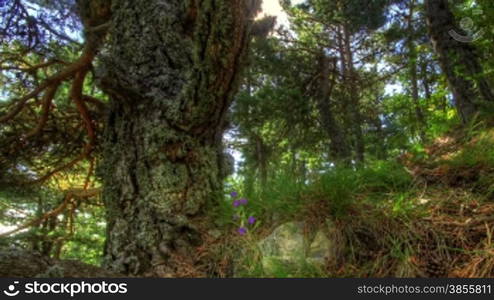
[{"x": 171, "y": 70}]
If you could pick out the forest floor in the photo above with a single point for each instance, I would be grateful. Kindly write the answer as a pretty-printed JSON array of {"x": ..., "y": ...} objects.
[{"x": 440, "y": 224}]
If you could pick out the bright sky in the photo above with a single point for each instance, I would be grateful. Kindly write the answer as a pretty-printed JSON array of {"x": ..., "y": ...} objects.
[{"x": 273, "y": 8}]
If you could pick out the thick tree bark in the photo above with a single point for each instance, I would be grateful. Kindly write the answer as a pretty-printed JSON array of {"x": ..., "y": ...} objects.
[
  {"x": 459, "y": 61},
  {"x": 339, "y": 149},
  {"x": 171, "y": 72}
]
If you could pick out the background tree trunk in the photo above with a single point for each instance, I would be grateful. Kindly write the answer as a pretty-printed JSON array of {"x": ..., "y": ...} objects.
[
  {"x": 459, "y": 60},
  {"x": 413, "y": 66},
  {"x": 262, "y": 160},
  {"x": 338, "y": 148},
  {"x": 171, "y": 72},
  {"x": 351, "y": 85}
]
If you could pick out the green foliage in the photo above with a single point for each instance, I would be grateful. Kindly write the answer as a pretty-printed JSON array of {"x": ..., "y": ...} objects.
[
  {"x": 300, "y": 269},
  {"x": 251, "y": 264},
  {"x": 385, "y": 177},
  {"x": 475, "y": 162},
  {"x": 87, "y": 245},
  {"x": 343, "y": 188},
  {"x": 284, "y": 197},
  {"x": 479, "y": 153},
  {"x": 280, "y": 199},
  {"x": 339, "y": 187}
]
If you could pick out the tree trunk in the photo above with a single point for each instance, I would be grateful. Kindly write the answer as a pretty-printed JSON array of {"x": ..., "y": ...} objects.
[
  {"x": 339, "y": 149},
  {"x": 261, "y": 160},
  {"x": 459, "y": 60},
  {"x": 419, "y": 114},
  {"x": 351, "y": 86},
  {"x": 413, "y": 65},
  {"x": 171, "y": 72},
  {"x": 375, "y": 119},
  {"x": 425, "y": 81}
]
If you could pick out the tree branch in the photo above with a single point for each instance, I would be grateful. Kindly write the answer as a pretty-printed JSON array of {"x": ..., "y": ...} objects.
[
  {"x": 83, "y": 61},
  {"x": 84, "y": 193},
  {"x": 47, "y": 100}
]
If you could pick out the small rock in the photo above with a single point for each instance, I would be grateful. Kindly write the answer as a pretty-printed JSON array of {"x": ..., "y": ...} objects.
[
  {"x": 215, "y": 233},
  {"x": 288, "y": 246}
]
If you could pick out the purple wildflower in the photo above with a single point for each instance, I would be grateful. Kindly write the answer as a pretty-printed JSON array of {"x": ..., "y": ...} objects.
[
  {"x": 236, "y": 203},
  {"x": 242, "y": 230},
  {"x": 234, "y": 194},
  {"x": 243, "y": 201},
  {"x": 251, "y": 220}
]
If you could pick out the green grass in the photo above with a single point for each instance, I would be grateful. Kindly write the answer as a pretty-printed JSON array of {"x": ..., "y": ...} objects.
[
  {"x": 384, "y": 186},
  {"x": 250, "y": 264},
  {"x": 284, "y": 197},
  {"x": 344, "y": 188},
  {"x": 478, "y": 153}
]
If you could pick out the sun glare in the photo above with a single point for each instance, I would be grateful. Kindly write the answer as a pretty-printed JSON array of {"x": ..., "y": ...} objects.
[{"x": 273, "y": 8}]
